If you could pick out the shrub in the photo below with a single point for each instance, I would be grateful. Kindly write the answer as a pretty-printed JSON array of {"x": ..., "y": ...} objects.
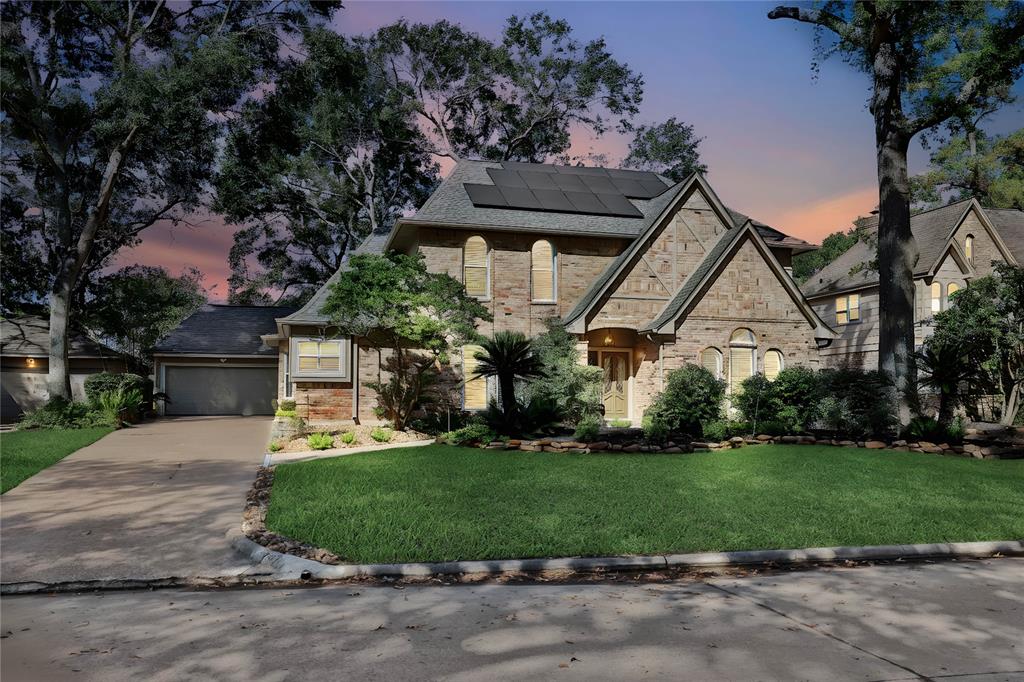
[
  {"x": 655, "y": 430},
  {"x": 692, "y": 398},
  {"x": 105, "y": 382},
  {"x": 574, "y": 388},
  {"x": 381, "y": 434},
  {"x": 723, "y": 429},
  {"x": 536, "y": 416},
  {"x": 588, "y": 429},
  {"x": 119, "y": 405},
  {"x": 407, "y": 389},
  {"x": 275, "y": 446},
  {"x": 956, "y": 429},
  {"x": 348, "y": 438},
  {"x": 287, "y": 405},
  {"x": 320, "y": 441},
  {"x": 59, "y": 413},
  {"x": 790, "y": 399},
  {"x": 281, "y": 412},
  {"x": 475, "y": 432},
  {"x": 855, "y": 403},
  {"x": 621, "y": 423}
]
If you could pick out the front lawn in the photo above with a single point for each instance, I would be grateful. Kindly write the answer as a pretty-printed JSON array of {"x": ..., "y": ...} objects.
[
  {"x": 26, "y": 453},
  {"x": 441, "y": 503}
]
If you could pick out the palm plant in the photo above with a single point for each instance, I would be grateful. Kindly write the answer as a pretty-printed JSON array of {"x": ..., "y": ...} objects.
[
  {"x": 508, "y": 356},
  {"x": 947, "y": 369}
]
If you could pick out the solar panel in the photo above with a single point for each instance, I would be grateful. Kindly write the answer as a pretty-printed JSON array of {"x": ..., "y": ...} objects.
[
  {"x": 581, "y": 170},
  {"x": 505, "y": 178},
  {"x": 598, "y": 184},
  {"x": 553, "y": 200},
  {"x": 485, "y": 195},
  {"x": 619, "y": 205},
  {"x": 629, "y": 188},
  {"x": 538, "y": 180},
  {"x": 571, "y": 183},
  {"x": 587, "y": 202},
  {"x": 519, "y": 198}
]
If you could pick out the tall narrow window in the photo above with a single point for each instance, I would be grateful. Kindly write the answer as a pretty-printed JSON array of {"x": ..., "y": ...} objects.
[
  {"x": 848, "y": 309},
  {"x": 711, "y": 360},
  {"x": 474, "y": 387},
  {"x": 772, "y": 364},
  {"x": 476, "y": 267},
  {"x": 936, "y": 297},
  {"x": 542, "y": 271},
  {"x": 287, "y": 379},
  {"x": 742, "y": 349},
  {"x": 951, "y": 289},
  {"x": 969, "y": 248}
]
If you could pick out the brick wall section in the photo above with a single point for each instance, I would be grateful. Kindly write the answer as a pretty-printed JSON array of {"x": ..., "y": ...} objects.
[{"x": 323, "y": 401}]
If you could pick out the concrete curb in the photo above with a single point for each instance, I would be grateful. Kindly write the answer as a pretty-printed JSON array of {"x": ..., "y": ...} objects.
[
  {"x": 272, "y": 458},
  {"x": 282, "y": 566}
]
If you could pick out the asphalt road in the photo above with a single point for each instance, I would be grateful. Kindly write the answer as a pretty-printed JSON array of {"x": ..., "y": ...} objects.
[{"x": 950, "y": 620}]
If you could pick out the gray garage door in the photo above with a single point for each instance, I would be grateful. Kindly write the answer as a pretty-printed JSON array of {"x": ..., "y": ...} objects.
[{"x": 220, "y": 390}]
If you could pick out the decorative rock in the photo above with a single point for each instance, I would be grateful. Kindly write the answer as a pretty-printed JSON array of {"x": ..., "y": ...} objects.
[
  {"x": 515, "y": 443},
  {"x": 578, "y": 451},
  {"x": 573, "y": 444},
  {"x": 901, "y": 448},
  {"x": 847, "y": 444},
  {"x": 672, "y": 450},
  {"x": 899, "y": 443},
  {"x": 736, "y": 441},
  {"x": 615, "y": 448},
  {"x": 753, "y": 441},
  {"x": 701, "y": 449},
  {"x": 705, "y": 446},
  {"x": 874, "y": 445},
  {"x": 944, "y": 446},
  {"x": 807, "y": 440},
  {"x": 764, "y": 437},
  {"x": 925, "y": 444},
  {"x": 790, "y": 439},
  {"x": 530, "y": 448},
  {"x": 631, "y": 448},
  {"x": 600, "y": 445}
]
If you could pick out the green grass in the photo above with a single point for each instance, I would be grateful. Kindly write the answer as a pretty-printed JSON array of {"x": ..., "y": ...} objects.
[
  {"x": 26, "y": 453},
  {"x": 440, "y": 503}
]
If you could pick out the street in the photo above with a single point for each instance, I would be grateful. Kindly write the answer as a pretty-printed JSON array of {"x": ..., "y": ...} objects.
[{"x": 962, "y": 620}]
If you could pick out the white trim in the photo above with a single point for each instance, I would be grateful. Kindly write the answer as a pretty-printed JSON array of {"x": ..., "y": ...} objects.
[{"x": 265, "y": 356}]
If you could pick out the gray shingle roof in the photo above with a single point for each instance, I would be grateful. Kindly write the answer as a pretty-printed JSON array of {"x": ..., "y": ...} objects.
[
  {"x": 931, "y": 230},
  {"x": 224, "y": 330},
  {"x": 29, "y": 335}
]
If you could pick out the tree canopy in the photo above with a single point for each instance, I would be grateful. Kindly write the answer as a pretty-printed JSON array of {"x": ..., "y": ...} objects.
[
  {"x": 990, "y": 169},
  {"x": 669, "y": 148}
]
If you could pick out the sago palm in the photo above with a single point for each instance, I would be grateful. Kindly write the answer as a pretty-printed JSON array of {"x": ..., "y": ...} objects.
[{"x": 508, "y": 356}]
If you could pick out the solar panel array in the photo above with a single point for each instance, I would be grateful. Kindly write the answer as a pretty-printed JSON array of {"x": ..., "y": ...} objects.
[{"x": 565, "y": 189}]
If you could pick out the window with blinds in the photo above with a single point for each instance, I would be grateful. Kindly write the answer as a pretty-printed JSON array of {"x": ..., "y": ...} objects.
[
  {"x": 969, "y": 248},
  {"x": 847, "y": 309},
  {"x": 936, "y": 297},
  {"x": 711, "y": 360},
  {"x": 772, "y": 364},
  {"x": 474, "y": 396},
  {"x": 742, "y": 347},
  {"x": 476, "y": 267},
  {"x": 542, "y": 271},
  {"x": 319, "y": 356}
]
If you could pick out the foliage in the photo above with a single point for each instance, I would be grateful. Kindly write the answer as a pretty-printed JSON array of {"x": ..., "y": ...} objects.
[
  {"x": 986, "y": 321},
  {"x": 692, "y": 398},
  {"x": 832, "y": 247},
  {"x": 275, "y": 446},
  {"x": 668, "y": 148},
  {"x": 348, "y": 438},
  {"x": 111, "y": 116},
  {"x": 26, "y": 453},
  {"x": 514, "y": 99},
  {"x": 285, "y": 413},
  {"x": 855, "y": 403},
  {"x": 474, "y": 432},
  {"x": 620, "y": 423},
  {"x": 61, "y": 413},
  {"x": 947, "y": 369},
  {"x": 320, "y": 441},
  {"x": 137, "y": 305},
  {"x": 972, "y": 164},
  {"x": 588, "y": 429},
  {"x": 934, "y": 431},
  {"x": 789, "y": 399},
  {"x": 332, "y": 154},
  {"x": 392, "y": 302},
  {"x": 381, "y": 434},
  {"x": 286, "y": 404},
  {"x": 119, "y": 405},
  {"x": 575, "y": 388},
  {"x": 529, "y": 418},
  {"x": 104, "y": 382},
  {"x": 508, "y": 357}
]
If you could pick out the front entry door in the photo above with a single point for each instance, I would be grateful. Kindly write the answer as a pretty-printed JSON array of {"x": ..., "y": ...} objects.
[{"x": 615, "y": 364}]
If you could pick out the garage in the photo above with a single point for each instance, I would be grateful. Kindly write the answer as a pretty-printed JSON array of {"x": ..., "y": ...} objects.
[{"x": 220, "y": 390}]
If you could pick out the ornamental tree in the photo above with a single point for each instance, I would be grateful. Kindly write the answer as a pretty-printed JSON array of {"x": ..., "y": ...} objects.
[{"x": 929, "y": 62}]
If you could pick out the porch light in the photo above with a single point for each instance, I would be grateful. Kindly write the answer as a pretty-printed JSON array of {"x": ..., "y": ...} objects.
[
  {"x": 608, "y": 340},
  {"x": 30, "y": 362}
]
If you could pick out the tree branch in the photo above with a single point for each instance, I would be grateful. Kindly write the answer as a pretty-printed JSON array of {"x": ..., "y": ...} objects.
[{"x": 818, "y": 17}]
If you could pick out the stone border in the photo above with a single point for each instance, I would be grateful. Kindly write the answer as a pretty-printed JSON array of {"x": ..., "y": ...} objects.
[{"x": 272, "y": 458}]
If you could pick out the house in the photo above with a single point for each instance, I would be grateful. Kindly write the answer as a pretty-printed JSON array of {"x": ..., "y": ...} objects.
[
  {"x": 649, "y": 275},
  {"x": 215, "y": 363},
  {"x": 25, "y": 361},
  {"x": 956, "y": 244}
]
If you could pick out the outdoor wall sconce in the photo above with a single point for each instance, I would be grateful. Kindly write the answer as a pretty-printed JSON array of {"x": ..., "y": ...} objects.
[
  {"x": 608, "y": 340},
  {"x": 30, "y": 362}
]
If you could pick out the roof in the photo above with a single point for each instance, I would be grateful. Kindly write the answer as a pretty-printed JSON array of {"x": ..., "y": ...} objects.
[
  {"x": 224, "y": 330},
  {"x": 772, "y": 237},
  {"x": 932, "y": 231},
  {"x": 29, "y": 336}
]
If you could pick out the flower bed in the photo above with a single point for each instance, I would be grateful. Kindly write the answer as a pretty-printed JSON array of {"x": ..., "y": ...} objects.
[{"x": 363, "y": 437}]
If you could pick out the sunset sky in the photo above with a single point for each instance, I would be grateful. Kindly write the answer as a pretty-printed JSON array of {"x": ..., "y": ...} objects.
[{"x": 791, "y": 150}]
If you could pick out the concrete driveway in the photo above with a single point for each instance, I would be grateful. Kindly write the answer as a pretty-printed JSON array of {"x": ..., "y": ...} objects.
[{"x": 152, "y": 501}]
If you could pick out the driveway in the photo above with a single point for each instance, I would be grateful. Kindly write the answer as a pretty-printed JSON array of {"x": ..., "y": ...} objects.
[
  {"x": 954, "y": 621},
  {"x": 152, "y": 501}
]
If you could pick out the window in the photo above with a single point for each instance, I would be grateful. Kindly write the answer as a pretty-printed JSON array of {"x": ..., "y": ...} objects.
[
  {"x": 772, "y": 364},
  {"x": 476, "y": 267},
  {"x": 936, "y": 297},
  {"x": 742, "y": 348},
  {"x": 848, "y": 309},
  {"x": 711, "y": 360},
  {"x": 287, "y": 379},
  {"x": 474, "y": 387},
  {"x": 969, "y": 248},
  {"x": 542, "y": 275},
  {"x": 951, "y": 289},
  {"x": 317, "y": 358}
]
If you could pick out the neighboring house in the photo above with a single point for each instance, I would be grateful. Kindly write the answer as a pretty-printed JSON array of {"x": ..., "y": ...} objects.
[
  {"x": 956, "y": 244},
  {"x": 647, "y": 274},
  {"x": 214, "y": 362},
  {"x": 25, "y": 361}
]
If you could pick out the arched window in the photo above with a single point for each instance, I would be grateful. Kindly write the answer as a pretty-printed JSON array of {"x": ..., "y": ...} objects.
[
  {"x": 476, "y": 267},
  {"x": 742, "y": 351},
  {"x": 936, "y": 297},
  {"x": 951, "y": 289},
  {"x": 773, "y": 364},
  {"x": 542, "y": 271},
  {"x": 711, "y": 360},
  {"x": 969, "y": 248}
]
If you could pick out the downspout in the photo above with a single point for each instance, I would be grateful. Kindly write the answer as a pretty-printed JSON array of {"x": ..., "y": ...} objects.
[{"x": 355, "y": 381}]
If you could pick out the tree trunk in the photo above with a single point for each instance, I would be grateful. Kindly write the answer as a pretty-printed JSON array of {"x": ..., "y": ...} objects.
[
  {"x": 507, "y": 385},
  {"x": 897, "y": 256},
  {"x": 58, "y": 381}
]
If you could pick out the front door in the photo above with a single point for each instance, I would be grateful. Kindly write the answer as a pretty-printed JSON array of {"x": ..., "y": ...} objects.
[{"x": 615, "y": 364}]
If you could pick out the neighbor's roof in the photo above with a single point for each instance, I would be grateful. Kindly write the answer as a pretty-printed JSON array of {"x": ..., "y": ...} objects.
[
  {"x": 931, "y": 229},
  {"x": 29, "y": 336},
  {"x": 223, "y": 330}
]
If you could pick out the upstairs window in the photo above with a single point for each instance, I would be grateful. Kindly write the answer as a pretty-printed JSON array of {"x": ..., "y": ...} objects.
[
  {"x": 711, "y": 360},
  {"x": 542, "y": 271},
  {"x": 476, "y": 267},
  {"x": 969, "y": 248},
  {"x": 742, "y": 351},
  {"x": 772, "y": 364},
  {"x": 848, "y": 309},
  {"x": 936, "y": 297}
]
